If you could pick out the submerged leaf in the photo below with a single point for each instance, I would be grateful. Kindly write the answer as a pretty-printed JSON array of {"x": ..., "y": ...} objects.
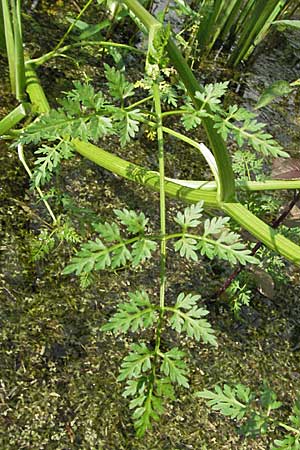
[
  {"x": 264, "y": 282},
  {"x": 277, "y": 89}
]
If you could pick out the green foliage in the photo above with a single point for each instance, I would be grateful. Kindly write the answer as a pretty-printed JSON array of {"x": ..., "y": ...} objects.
[
  {"x": 136, "y": 362},
  {"x": 250, "y": 132},
  {"x": 42, "y": 245},
  {"x": 174, "y": 367},
  {"x": 84, "y": 114},
  {"x": 119, "y": 87},
  {"x": 137, "y": 313},
  {"x": 126, "y": 126},
  {"x": 235, "y": 122},
  {"x": 226, "y": 246},
  {"x": 113, "y": 250},
  {"x": 239, "y": 295},
  {"x": 148, "y": 370},
  {"x": 189, "y": 318},
  {"x": 134, "y": 223},
  {"x": 228, "y": 400},
  {"x": 48, "y": 239},
  {"x": 248, "y": 165},
  {"x": 190, "y": 217},
  {"x": 288, "y": 443},
  {"x": 50, "y": 160},
  {"x": 212, "y": 94},
  {"x": 143, "y": 367},
  {"x": 240, "y": 403},
  {"x": 81, "y": 115},
  {"x": 276, "y": 89},
  {"x": 156, "y": 55}
]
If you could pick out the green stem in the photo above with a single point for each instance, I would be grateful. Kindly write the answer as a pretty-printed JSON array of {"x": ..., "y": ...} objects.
[
  {"x": 14, "y": 117},
  {"x": 18, "y": 50},
  {"x": 35, "y": 91},
  {"x": 206, "y": 153},
  {"x": 10, "y": 43},
  {"x": 289, "y": 428},
  {"x": 23, "y": 161},
  {"x": 263, "y": 232},
  {"x": 140, "y": 102},
  {"x": 72, "y": 25},
  {"x": 55, "y": 53},
  {"x": 226, "y": 187},
  {"x": 162, "y": 208},
  {"x": 141, "y": 175}
]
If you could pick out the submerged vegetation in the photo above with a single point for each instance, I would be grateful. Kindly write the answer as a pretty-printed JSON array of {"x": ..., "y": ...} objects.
[{"x": 149, "y": 297}]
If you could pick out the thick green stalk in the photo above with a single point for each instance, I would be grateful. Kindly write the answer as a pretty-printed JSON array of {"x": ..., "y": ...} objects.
[
  {"x": 18, "y": 50},
  {"x": 268, "y": 185},
  {"x": 35, "y": 91},
  {"x": 207, "y": 26},
  {"x": 226, "y": 188},
  {"x": 231, "y": 21},
  {"x": 225, "y": 13},
  {"x": 238, "y": 212},
  {"x": 263, "y": 232},
  {"x": 151, "y": 179},
  {"x": 2, "y": 31},
  {"x": 14, "y": 117},
  {"x": 10, "y": 44},
  {"x": 141, "y": 175},
  {"x": 245, "y": 13},
  {"x": 265, "y": 27}
]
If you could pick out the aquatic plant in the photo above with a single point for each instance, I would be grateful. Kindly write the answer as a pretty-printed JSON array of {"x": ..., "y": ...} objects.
[
  {"x": 235, "y": 25},
  {"x": 255, "y": 412},
  {"x": 88, "y": 115}
]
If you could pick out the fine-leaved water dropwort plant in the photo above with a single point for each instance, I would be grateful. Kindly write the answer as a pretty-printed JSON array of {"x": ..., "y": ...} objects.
[{"x": 87, "y": 117}]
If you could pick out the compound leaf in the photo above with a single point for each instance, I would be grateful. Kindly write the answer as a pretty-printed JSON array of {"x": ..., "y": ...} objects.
[
  {"x": 134, "y": 222},
  {"x": 228, "y": 400},
  {"x": 189, "y": 318},
  {"x": 119, "y": 87},
  {"x": 186, "y": 247},
  {"x": 142, "y": 250},
  {"x": 174, "y": 367},
  {"x": 136, "y": 362},
  {"x": 132, "y": 315},
  {"x": 110, "y": 232},
  {"x": 190, "y": 217},
  {"x": 288, "y": 443}
]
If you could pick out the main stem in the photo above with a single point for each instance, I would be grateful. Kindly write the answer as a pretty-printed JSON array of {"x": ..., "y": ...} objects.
[{"x": 162, "y": 208}]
